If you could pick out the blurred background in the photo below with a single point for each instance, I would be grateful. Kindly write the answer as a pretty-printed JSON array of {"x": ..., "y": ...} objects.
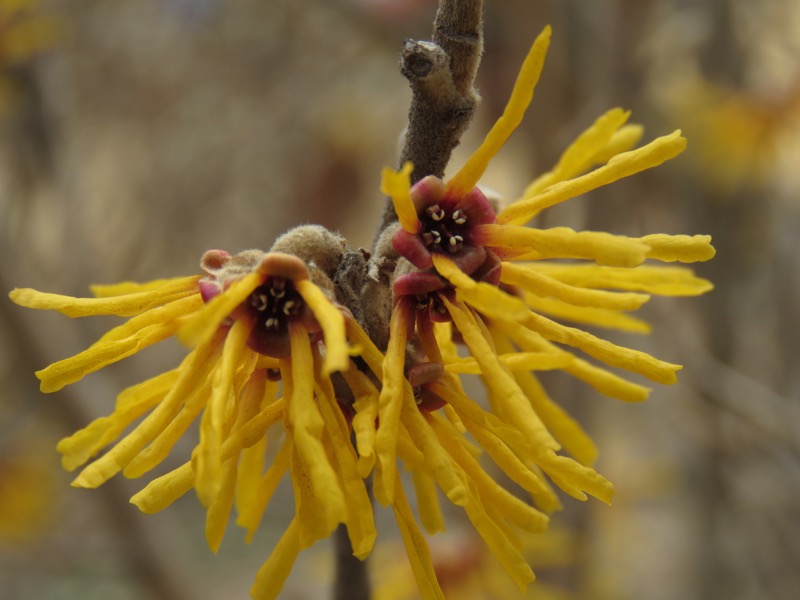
[{"x": 136, "y": 134}]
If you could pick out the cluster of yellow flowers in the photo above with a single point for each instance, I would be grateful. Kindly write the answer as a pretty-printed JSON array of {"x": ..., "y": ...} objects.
[{"x": 276, "y": 353}]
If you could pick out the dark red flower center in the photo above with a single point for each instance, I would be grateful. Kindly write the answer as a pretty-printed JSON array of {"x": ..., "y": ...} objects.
[
  {"x": 274, "y": 303},
  {"x": 442, "y": 230}
]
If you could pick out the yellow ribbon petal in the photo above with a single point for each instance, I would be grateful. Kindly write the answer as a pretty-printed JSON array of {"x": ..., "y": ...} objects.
[
  {"x": 521, "y": 96},
  {"x": 207, "y": 461},
  {"x": 219, "y": 510},
  {"x": 683, "y": 248},
  {"x": 390, "y": 402},
  {"x": 597, "y": 317},
  {"x": 203, "y": 324},
  {"x": 250, "y": 514},
  {"x": 490, "y": 492},
  {"x": 273, "y": 573},
  {"x": 516, "y": 361},
  {"x": 542, "y": 285},
  {"x": 563, "y": 242},
  {"x": 505, "y": 391},
  {"x": 124, "y": 288},
  {"x": 653, "y": 279},
  {"x": 191, "y": 373},
  {"x": 580, "y": 155},
  {"x": 360, "y": 522},
  {"x": 611, "y": 354},
  {"x": 428, "y": 505},
  {"x": 417, "y": 550},
  {"x": 623, "y": 165},
  {"x": 131, "y": 404},
  {"x": 123, "y": 306},
  {"x": 308, "y": 428},
  {"x": 337, "y": 353},
  {"x": 488, "y": 299}
]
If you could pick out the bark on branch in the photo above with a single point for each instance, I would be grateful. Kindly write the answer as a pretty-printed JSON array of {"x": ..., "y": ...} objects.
[{"x": 441, "y": 74}]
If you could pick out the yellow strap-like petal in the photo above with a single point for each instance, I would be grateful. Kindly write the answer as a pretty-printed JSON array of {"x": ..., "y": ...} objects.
[
  {"x": 564, "y": 428},
  {"x": 203, "y": 325},
  {"x": 259, "y": 392},
  {"x": 605, "y": 382},
  {"x": 308, "y": 427},
  {"x": 512, "y": 465},
  {"x": 436, "y": 461},
  {"x": 311, "y": 511},
  {"x": 250, "y": 514},
  {"x": 611, "y": 354},
  {"x": 488, "y": 299},
  {"x": 177, "y": 312},
  {"x": 124, "y": 288},
  {"x": 164, "y": 490},
  {"x": 364, "y": 421},
  {"x": 597, "y": 317},
  {"x": 337, "y": 353},
  {"x": 254, "y": 429},
  {"x": 123, "y": 306},
  {"x": 390, "y": 403},
  {"x": 131, "y": 404},
  {"x": 580, "y": 155},
  {"x": 467, "y": 177},
  {"x": 563, "y": 242},
  {"x": 273, "y": 573},
  {"x": 683, "y": 248},
  {"x": 219, "y": 510},
  {"x": 623, "y": 165},
  {"x": 575, "y": 479},
  {"x": 158, "y": 450},
  {"x": 608, "y": 383},
  {"x": 505, "y": 391},
  {"x": 516, "y": 361},
  {"x": 360, "y": 522},
  {"x": 467, "y": 408},
  {"x": 502, "y": 547},
  {"x": 148, "y": 329},
  {"x": 367, "y": 349},
  {"x": 397, "y": 185},
  {"x": 192, "y": 373},
  {"x": 660, "y": 280},
  {"x": 207, "y": 461},
  {"x": 542, "y": 285},
  {"x": 428, "y": 505},
  {"x": 417, "y": 550},
  {"x": 490, "y": 492},
  {"x": 623, "y": 140}
]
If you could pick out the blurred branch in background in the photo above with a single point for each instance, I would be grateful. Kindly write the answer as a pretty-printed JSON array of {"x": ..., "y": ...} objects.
[{"x": 141, "y": 126}]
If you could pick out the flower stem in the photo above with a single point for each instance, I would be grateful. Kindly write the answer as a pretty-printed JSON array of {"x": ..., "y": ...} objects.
[
  {"x": 441, "y": 75},
  {"x": 352, "y": 577}
]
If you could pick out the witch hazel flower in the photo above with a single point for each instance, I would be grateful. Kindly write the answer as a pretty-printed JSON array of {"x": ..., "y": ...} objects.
[
  {"x": 483, "y": 279},
  {"x": 267, "y": 337}
]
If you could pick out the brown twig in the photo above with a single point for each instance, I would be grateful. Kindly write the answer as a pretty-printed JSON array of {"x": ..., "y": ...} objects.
[
  {"x": 441, "y": 74},
  {"x": 352, "y": 576}
]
